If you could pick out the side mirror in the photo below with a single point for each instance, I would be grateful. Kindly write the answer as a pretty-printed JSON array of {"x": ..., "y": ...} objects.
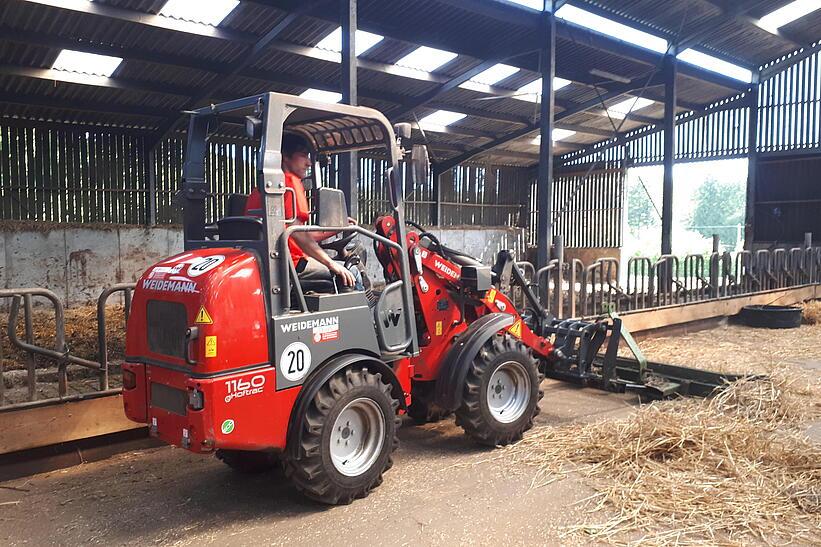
[
  {"x": 402, "y": 130},
  {"x": 253, "y": 127},
  {"x": 420, "y": 164}
]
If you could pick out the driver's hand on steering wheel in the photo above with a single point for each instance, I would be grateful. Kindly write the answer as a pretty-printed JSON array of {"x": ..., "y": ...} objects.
[
  {"x": 352, "y": 221},
  {"x": 342, "y": 272}
]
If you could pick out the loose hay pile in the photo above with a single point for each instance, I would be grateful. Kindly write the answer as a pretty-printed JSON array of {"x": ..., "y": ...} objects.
[
  {"x": 737, "y": 349},
  {"x": 731, "y": 470},
  {"x": 80, "y": 332},
  {"x": 811, "y": 313}
]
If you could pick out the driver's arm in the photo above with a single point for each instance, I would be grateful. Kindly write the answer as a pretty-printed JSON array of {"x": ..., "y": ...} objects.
[{"x": 308, "y": 243}]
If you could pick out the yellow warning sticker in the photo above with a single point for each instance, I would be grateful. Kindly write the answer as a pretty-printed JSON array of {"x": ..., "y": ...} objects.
[
  {"x": 516, "y": 329},
  {"x": 203, "y": 318},
  {"x": 210, "y": 346},
  {"x": 438, "y": 328},
  {"x": 491, "y": 295}
]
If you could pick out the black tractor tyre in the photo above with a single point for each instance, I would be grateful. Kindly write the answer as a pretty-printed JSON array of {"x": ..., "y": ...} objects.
[
  {"x": 422, "y": 409},
  {"x": 248, "y": 462},
  {"x": 364, "y": 396},
  {"x": 509, "y": 364}
]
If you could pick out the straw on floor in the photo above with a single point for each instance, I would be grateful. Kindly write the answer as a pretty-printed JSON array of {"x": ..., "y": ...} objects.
[{"x": 735, "y": 469}]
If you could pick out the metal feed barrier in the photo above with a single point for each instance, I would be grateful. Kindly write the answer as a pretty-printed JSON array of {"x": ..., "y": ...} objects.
[
  {"x": 571, "y": 289},
  {"x": 59, "y": 352}
]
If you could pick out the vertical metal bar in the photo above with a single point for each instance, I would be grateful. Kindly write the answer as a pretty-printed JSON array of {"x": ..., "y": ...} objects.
[
  {"x": 349, "y": 161},
  {"x": 752, "y": 168},
  {"x": 149, "y": 159},
  {"x": 669, "y": 153},
  {"x": 31, "y": 360},
  {"x": 558, "y": 294},
  {"x": 436, "y": 210},
  {"x": 547, "y": 68}
]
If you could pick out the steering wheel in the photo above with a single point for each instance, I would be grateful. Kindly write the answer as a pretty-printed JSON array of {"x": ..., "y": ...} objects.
[{"x": 338, "y": 245}]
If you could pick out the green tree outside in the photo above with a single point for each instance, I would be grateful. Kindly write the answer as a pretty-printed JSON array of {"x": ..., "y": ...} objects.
[{"x": 718, "y": 209}]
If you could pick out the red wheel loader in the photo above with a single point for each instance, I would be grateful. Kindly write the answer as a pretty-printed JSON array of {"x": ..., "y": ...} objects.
[{"x": 230, "y": 353}]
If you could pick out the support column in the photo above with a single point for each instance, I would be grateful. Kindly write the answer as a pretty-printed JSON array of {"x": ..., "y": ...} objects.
[
  {"x": 436, "y": 212},
  {"x": 349, "y": 162},
  {"x": 149, "y": 162},
  {"x": 669, "y": 153},
  {"x": 544, "y": 186},
  {"x": 752, "y": 168}
]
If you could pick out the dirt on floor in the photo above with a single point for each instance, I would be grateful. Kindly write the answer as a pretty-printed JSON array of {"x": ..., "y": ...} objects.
[{"x": 442, "y": 490}]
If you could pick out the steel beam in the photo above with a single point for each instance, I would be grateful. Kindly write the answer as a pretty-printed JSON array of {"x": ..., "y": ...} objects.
[
  {"x": 786, "y": 62},
  {"x": 669, "y": 154},
  {"x": 544, "y": 185},
  {"x": 614, "y": 92},
  {"x": 505, "y": 11},
  {"x": 349, "y": 161},
  {"x": 752, "y": 169}
]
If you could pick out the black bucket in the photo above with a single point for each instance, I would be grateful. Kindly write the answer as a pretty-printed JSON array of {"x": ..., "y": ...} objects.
[{"x": 771, "y": 317}]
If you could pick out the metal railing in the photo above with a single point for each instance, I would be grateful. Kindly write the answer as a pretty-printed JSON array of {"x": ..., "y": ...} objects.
[
  {"x": 571, "y": 289},
  {"x": 58, "y": 353}
]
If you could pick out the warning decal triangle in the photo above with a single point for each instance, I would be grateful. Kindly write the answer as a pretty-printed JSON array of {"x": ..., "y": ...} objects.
[
  {"x": 203, "y": 317},
  {"x": 516, "y": 329}
]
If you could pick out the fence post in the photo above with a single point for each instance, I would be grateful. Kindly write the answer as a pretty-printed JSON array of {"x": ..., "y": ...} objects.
[
  {"x": 715, "y": 289},
  {"x": 558, "y": 294}
]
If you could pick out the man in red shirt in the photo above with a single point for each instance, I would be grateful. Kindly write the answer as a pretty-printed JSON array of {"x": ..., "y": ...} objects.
[{"x": 311, "y": 261}]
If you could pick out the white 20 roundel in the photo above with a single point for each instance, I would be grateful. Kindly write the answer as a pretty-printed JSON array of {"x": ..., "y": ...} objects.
[
  {"x": 295, "y": 361},
  {"x": 204, "y": 264}
]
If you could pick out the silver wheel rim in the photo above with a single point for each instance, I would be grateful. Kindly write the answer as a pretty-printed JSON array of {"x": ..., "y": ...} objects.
[
  {"x": 357, "y": 437},
  {"x": 508, "y": 392}
]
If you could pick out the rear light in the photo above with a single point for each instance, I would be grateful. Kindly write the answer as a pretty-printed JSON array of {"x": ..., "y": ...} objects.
[
  {"x": 196, "y": 399},
  {"x": 129, "y": 379}
]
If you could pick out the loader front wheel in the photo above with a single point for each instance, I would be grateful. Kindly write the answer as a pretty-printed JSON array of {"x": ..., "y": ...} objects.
[
  {"x": 349, "y": 435},
  {"x": 501, "y": 392}
]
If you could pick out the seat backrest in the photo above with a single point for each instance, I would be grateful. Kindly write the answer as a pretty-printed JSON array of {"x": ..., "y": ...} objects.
[
  {"x": 235, "y": 205},
  {"x": 331, "y": 207}
]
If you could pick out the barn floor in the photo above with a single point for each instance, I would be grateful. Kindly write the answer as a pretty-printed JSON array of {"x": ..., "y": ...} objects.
[{"x": 442, "y": 489}]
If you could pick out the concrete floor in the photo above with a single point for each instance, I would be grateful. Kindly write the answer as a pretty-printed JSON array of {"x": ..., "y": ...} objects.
[{"x": 443, "y": 490}]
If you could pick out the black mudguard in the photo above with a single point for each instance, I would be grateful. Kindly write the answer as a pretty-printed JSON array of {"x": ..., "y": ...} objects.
[
  {"x": 460, "y": 357},
  {"x": 324, "y": 373}
]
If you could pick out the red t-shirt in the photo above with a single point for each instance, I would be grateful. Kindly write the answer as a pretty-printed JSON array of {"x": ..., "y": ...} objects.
[{"x": 293, "y": 182}]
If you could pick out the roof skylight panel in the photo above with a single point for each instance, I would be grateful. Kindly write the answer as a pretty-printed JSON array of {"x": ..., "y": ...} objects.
[
  {"x": 212, "y": 12},
  {"x": 364, "y": 41},
  {"x": 321, "y": 95},
  {"x": 86, "y": 63},
  {"x": 622, "y": 109},
  {"x": 787, "y": 14},
  {"x": 557, "y": 134},
  {"x": 612, "y": 28},
  {"x": 426, "y": 59},
  {"x": 716, "y": 65},
  {"x": 532, "y": 92},
  {"x": 440, "y": 119}
]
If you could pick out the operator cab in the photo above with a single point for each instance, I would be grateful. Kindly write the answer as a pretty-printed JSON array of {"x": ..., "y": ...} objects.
[{"x": 382, "y": 325}]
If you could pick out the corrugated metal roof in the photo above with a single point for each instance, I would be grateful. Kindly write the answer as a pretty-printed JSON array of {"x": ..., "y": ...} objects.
[{"x": 157, "y": 57}]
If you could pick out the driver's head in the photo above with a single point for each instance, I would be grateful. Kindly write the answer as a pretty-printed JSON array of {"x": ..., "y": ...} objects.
[{"x": 295, "y": 155}]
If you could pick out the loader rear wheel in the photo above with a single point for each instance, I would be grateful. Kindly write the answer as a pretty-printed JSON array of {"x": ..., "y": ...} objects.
[
  {"x": 501, "y": 392},
  {"x": 247, "y": 462},
  {"x": 349, "y": 435}
]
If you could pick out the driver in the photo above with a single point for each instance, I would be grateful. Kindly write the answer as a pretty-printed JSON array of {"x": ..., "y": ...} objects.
[{"x": 311, "y": 261}]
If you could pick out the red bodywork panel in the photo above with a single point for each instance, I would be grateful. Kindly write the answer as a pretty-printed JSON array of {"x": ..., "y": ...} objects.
[
  {"x": 221, "y": 292},
  {"x": 439, "y": 317}
]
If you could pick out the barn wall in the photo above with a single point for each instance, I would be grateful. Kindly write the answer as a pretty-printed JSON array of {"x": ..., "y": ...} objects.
[{"x": 78, "y": 262}]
